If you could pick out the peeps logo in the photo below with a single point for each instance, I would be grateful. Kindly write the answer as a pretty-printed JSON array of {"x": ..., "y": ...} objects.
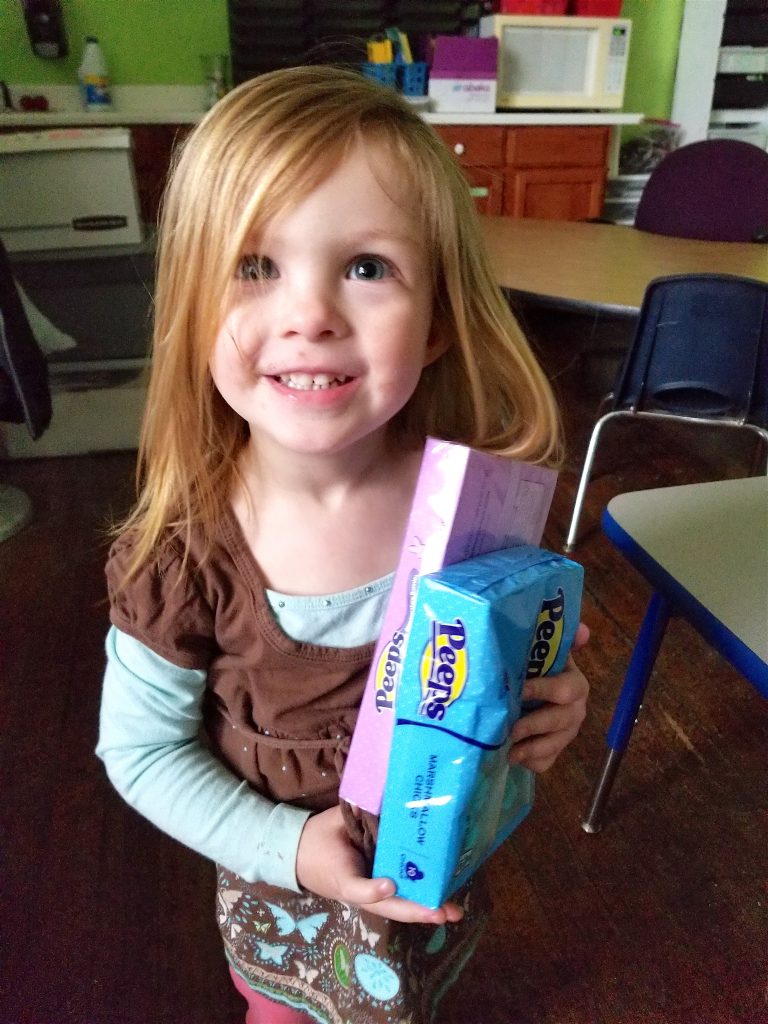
[
  {"x": 388, "y": 672},
  {"x": 443, "y": 669},
  {"x": 547, "y": 637}
]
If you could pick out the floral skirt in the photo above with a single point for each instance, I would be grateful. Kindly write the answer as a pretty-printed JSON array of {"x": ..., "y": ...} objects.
[{"x": 341, "y": 965}]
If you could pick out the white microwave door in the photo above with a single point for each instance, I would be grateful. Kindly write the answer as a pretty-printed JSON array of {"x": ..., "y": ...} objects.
[{"x": 556, "y": 62}]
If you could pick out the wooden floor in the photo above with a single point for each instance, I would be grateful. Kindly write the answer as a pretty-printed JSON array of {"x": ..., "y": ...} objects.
[{"x": 662, "y": 918}]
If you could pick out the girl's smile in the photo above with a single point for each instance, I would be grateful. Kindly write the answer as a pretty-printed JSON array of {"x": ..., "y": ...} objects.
[
  {"x": 318, "y": 390},
  {"x": 330, "y": 322},
  {"x": 312, "y": 381}
]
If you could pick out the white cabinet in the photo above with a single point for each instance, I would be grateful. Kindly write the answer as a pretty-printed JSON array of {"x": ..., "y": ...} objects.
[{"x": 700, "y": 57}]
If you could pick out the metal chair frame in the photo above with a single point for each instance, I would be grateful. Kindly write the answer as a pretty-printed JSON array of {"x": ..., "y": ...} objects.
[{"x": 633, "y": 411}]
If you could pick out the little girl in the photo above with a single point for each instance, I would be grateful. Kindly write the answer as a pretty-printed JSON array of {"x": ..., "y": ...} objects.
[{"x": 323, "y": 304}]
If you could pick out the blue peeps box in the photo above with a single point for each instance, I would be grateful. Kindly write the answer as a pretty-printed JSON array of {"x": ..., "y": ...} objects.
[{"x": 480, "y": 628}]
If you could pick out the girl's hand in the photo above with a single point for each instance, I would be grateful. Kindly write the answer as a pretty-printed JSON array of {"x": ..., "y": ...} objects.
[
  {"x": 540, "y": 736},
  {"x": 327, "y": 864}
]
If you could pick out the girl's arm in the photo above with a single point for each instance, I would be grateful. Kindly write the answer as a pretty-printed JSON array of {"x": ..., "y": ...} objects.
[{"x": 149, "y": 742}]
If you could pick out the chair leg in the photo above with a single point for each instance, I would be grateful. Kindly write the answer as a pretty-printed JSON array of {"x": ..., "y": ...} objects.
[
  {"x": 628, "y": 704},
  {"x": 570, "y": 540}
]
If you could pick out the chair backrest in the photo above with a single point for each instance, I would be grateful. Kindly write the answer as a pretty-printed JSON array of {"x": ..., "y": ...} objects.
[
  {"x": 700, "y": 350},
  {"x": 25, "y": 395},
  {"x": 716, "y": 190}
]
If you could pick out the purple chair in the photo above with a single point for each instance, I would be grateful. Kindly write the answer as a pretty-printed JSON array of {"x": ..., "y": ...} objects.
[{"x": 716, "y": 190}]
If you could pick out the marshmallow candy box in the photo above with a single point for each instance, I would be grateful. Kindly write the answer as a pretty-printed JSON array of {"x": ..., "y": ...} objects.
[
  {"x": 466, "y": 504},
  {"x": 479, "y": 628}
]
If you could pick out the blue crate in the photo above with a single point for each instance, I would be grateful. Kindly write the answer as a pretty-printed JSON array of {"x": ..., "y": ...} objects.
[
  {"x": 412, "y": 78},
  {"x": 386, "y": 74}
]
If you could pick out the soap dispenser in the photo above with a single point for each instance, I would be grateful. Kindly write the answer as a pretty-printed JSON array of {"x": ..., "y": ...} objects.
[{"x": 45, "y": 27}]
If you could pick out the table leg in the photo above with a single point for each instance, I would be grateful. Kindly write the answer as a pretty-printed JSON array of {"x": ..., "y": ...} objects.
[{"x": 628, "y": 704}]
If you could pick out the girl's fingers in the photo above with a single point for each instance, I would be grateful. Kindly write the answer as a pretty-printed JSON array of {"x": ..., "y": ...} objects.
[
  {"x": 581, "y": 639},
  {"x": 540, "y": 752},
  {"x": 569, "y": 688},
  {"x": 550, "y": 719},
  {"x": 397, "y": 909},
  {"x": 361, "y": 890}
]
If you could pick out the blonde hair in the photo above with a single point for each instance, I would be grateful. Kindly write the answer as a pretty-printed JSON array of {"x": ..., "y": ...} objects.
[{"x": 266, "y": 145}]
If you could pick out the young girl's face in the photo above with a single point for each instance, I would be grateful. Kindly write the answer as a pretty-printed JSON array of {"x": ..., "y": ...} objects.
[{"x": 330, "y": 323}]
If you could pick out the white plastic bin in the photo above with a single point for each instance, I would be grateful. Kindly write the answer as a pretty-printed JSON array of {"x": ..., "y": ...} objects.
[
  {"x": 68, "y": 188},
  {"x": 622, "y": 197},
  {"x": 757, "y": 134},
  {"x": 742, "y": 60}
]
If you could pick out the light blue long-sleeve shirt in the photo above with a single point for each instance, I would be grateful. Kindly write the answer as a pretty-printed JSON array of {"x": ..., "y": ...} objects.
[{"x": 149, "y": 742}]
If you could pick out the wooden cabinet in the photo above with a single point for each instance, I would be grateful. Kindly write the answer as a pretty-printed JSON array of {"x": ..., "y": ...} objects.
[
  {"x": 153, "y": 146},
  {"x": 555, "y": 173},
  {"x": 480, "y": 151},
  {"x": 548, "y": 172}
]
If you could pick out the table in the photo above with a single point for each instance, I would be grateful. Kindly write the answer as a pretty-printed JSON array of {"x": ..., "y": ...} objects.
[
  {"x": 603, "y": 266},
  {"x": 704, "y": 550}
]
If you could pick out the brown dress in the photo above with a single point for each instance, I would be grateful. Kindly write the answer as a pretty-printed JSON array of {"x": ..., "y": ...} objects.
[{"x": 280, "y": 713}]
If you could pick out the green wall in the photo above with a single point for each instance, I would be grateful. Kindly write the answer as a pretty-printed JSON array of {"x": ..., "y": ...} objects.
[
  {"x": 652, "y": 55},
  {"x": 146, "y": 42},
  {"x": 150, "y": 42}
]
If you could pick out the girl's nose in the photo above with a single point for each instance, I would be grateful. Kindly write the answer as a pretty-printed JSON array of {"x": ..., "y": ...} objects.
[{"x": 311, "y": 312}]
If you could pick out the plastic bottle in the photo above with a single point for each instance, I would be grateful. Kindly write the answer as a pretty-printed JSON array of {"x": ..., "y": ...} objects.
[{"x": 94, "y": 77}]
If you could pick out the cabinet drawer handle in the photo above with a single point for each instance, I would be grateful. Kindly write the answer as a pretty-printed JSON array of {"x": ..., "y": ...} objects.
[
  {"x": 459, "y": 149},
  {"x": 479, "y": 192}
]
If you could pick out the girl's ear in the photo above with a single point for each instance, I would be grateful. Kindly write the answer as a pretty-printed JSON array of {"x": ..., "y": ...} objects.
[{"x": 437, "y": 344}]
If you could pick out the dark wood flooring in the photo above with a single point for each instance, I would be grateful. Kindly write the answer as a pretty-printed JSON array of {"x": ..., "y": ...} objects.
[{"x": 659, "y": 919}]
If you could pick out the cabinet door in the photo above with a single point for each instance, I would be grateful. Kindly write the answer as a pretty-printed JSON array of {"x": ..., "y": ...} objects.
[
  {"x": 487, "y": 188},
  {"x": 479, "y": 150},
  {"x": 554, "y": 193}
]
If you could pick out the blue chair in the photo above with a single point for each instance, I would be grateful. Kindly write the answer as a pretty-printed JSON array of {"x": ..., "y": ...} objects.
[{"x": 699, "y": 355}]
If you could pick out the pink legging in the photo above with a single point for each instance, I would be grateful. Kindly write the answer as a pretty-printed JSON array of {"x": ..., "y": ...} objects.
[{"x": 265, "y": 1011}]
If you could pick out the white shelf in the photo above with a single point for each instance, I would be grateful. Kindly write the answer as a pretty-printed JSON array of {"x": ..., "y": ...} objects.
[
  {"x": 538, "y": 117},
  {"x": 131, "y": 115},
  {"x": 132, "y": 104}
]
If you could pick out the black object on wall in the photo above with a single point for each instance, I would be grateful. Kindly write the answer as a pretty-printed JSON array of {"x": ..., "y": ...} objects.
[
  {"x": 269, "y": 34},
  {"x": 45, "y": 27},
  {"x": 25, "y": 395}
]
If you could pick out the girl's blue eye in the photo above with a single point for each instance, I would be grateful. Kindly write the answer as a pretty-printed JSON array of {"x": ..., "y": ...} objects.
[
  {"x": 369, "y": 268},
  {"x": 256, "y": 268}
]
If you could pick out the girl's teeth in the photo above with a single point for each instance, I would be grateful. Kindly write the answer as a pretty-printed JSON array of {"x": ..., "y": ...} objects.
[{"x": 307, "y": 382}]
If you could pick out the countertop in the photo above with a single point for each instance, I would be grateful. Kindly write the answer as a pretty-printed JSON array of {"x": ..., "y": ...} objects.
[
  {"x": 143, "y": 104},
  {"x": 83, "y": 119}
]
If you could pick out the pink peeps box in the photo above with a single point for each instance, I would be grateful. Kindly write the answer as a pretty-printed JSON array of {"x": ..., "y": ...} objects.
[{"x": 466, "y": 503}]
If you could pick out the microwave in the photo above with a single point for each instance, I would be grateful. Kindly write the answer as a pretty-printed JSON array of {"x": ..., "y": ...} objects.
[{"x": 559, "y": 63}]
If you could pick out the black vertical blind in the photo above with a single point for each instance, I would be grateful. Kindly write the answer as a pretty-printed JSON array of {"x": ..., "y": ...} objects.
[{"x": 269, "y": 34}]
